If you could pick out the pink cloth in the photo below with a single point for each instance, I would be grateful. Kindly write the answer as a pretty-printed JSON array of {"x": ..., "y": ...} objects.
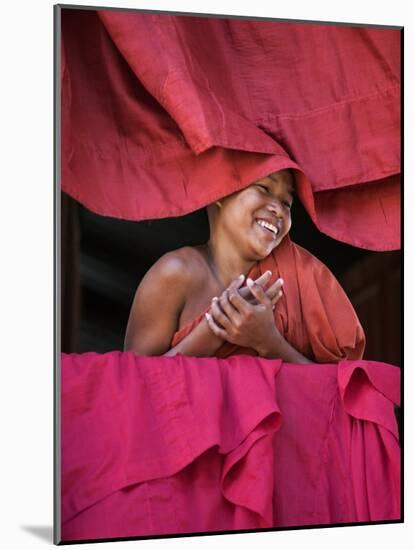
[
  {"x": 168, "y": 445},
  {"x": 164, "y": 114}
]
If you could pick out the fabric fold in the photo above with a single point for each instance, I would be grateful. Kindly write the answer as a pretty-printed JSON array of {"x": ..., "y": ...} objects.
[
  {"x": 146, "y": 418},
  {"x": 248, "y": 472},
  {"x": 369, "y": 392},
  {"x": 179, "y": 80},
  {"x": 169, "y": 445},
  {"x": 164, "y": 139}
]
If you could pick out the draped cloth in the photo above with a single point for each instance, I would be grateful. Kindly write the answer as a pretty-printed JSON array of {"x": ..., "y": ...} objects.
[
  {"x": 169, "y": 445},
  {"x": 162, "y": 115},
  {"x": 314, "y": 314}
]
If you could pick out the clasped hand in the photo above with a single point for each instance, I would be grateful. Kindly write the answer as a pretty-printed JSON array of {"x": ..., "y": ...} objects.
[{"x": 245, "y": 316}]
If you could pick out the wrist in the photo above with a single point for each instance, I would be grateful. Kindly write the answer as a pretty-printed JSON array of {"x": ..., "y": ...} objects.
[
  {"x": 214, "y": 341},
  {"x": 271, "y": 346}
]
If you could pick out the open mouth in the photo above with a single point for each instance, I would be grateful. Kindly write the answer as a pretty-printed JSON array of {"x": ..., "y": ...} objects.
[{"x": 269, "y": 227}]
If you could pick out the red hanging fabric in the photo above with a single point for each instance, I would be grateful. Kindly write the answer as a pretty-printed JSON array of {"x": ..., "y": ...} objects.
[
  {"x": 163, "y": 114},
  {"x": 167, "y": 445}
]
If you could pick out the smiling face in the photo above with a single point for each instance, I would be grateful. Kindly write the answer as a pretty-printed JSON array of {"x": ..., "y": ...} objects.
[{"x": 258, "y": 217}]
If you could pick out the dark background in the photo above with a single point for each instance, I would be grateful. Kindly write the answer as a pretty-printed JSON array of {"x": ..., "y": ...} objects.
[{"x": 104, "y": 259}]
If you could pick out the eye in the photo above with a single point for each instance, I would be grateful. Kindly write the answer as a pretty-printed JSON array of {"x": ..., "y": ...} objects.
[
  {"x": 287, "y": 204},
  {"x": 263, "y": 187}
]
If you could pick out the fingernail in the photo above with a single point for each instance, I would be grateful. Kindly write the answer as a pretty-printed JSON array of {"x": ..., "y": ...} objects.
[
  {"x": 268, "y": 271},
  {"x": 281, "y": 281},
  {"x": 241, "y": 277},
  {"x": 214, "y": 299},
  {"x": 249, "y": 282},
  {"x": 207, "y": 316},
  {"x": 273, "y": 307}
]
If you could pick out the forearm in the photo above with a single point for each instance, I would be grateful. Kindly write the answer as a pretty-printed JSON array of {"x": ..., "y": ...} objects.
[
  {"x": 201, "y": 342},
  {"x": 278, "y": 347}
]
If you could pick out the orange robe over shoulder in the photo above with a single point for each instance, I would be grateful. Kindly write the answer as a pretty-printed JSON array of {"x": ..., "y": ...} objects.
[{"x": 314, "y": 314}]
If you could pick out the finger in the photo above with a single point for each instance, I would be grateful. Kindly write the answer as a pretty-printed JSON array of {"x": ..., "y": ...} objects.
[
  {"x": 274, "y": 289},
  {"x": 246, "y": 294},
  {"x": 258, "y": 292},
  {"x": 228, "y": 307},
  {"x": 218, "y": 314},
  {"x": 238, "y": 302},
  {"x": 263, "y": 279},
  {"x": 218, "y": 331},
  {"x": 276, "y": 298},
  {"x": 237, "y": 283}
]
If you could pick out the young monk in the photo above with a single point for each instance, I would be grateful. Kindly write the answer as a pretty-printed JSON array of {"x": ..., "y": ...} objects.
[{"x": 227, "y": 296}]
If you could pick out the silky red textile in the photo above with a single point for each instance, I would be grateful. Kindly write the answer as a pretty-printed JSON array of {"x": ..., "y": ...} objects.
[
  {"x": 162, "y": 115},
  {"x": 314, "y": 314},
  {"x": 164, "y": 445}
]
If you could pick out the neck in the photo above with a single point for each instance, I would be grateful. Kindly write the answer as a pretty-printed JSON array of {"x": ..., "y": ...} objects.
[{"x": 225, "y": 261}]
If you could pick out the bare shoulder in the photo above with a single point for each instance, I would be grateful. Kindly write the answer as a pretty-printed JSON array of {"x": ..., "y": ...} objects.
[
  {"x": 182, "y": 271},
  {"x": 159, "y": 300},
  {"x": 183, "y": 265}
]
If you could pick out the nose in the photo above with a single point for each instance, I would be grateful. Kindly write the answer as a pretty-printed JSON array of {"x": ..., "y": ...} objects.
[{"x": 275, "y": 208}]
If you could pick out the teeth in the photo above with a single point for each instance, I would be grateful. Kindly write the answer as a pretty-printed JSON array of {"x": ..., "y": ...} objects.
[{"x": 269, "y": 226}]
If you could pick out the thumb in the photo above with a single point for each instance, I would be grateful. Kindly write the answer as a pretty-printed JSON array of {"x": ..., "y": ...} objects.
[
  {"x": 258, "y": 292},
  {"x": 237, "y": 283}
]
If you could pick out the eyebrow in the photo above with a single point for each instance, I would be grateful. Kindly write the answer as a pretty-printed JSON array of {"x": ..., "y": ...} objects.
[{"x": 292, "y": 187}]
